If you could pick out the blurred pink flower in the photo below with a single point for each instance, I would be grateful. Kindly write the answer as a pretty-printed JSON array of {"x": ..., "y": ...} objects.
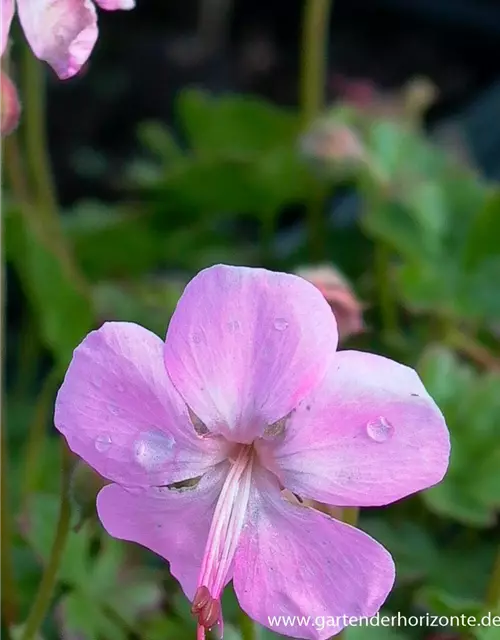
[
  {"x": 339, "y": 295},
  {"x": 61, "y": 32},
  {"x": 10, "y": 107},
  {"x": 200, "y": 436}
]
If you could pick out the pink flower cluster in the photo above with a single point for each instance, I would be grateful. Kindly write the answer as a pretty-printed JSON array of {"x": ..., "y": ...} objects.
[{"x": 246, "y": 402}]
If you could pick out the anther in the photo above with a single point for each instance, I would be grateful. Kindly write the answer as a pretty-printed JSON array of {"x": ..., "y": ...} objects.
[{"x": 201, "y": 598}]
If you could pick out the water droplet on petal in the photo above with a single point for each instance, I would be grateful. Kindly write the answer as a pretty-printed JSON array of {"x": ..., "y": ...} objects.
[
  {"x": 233, "y": 326},
  {"x": 153, "y": 449},
  {"x": 196, "y": 338},
  {"x": 379, "y": 429},
  {"x": 102, "y": 443},
  {"x": 280, "y": 324}
]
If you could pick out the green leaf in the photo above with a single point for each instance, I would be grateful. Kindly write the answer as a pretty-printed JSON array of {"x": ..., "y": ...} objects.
[
  {"x": 57, "y": 299},
  {"x": 235, "y": 125},
  {"x": 470, "y": 491}
]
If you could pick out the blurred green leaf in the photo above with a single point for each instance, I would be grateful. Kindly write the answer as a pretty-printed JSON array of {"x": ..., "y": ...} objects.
[
  {"x": 233, "y": 125},
  {"x": 58, "y": 302},
  {"x": 470, "y": 491},
  {"x": 107, "y": 593}
]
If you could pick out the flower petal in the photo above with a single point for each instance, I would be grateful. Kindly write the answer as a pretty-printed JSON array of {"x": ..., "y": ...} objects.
[
  {"x": 295, "y": 561},
  {"x": 369, "y": 435},
  {"x": 112, "y": 5},
  {"x": 61, "y": 32},
  {"x": 172, "y": 523},
  {"x": 7, "y": 13},
  {"x": 119, "y": 411},
  {"x": 244, "y": 346}
]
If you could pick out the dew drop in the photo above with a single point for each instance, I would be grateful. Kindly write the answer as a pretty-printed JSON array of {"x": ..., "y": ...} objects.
[
  {"x": 196, "y": 338},
  {"x": 153, "y": 449},
  {"x": 114, "y": 409},
  {"x": 280, "y": 324},
  {"x": 102, "y": 443},
  {"x": 233, "y": 326},
  {"x": 380, "y": 429}
]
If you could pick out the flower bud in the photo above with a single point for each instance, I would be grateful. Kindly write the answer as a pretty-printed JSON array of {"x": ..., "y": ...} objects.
[
  {"x": 338, "y": 293},
  {"x": 10, "y": 108},
  {"x": 334, "y": 148}
]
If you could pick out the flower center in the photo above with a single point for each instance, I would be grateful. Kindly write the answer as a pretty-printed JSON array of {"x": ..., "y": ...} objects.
[{"x": 227, "y": 523}]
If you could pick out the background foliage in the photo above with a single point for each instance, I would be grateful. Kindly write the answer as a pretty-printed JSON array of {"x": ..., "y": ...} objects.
[{"x": 237, "y": 178}]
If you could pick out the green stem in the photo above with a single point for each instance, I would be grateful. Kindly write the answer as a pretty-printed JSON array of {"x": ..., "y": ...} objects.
[
  {"x": 313, "y": 73},
  {"x": 248, "y": 627},
  {"x": 36, "y": 144},
  {"x": 40, "y": 203},
  {"x": 44, "y": 596},
  {"x": 387, "y": 302},
  {"x": 7, "y": 580},
  {"x": 493, "y": 591}
]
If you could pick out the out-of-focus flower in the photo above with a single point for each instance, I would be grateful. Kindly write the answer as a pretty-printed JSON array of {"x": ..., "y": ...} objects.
[
  {"x": 339, "y": 295},
  {"x": 10, "y": 107},
  {"x": 333, "y": 147},
  {"x": 60, "y": 32},
  {"x": 246, "y": 397}
]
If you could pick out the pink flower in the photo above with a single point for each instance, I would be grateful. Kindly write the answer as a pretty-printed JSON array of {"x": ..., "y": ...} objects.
[
  {"x": 61, "y": 32},
  {"x": 247, "y": 397}
]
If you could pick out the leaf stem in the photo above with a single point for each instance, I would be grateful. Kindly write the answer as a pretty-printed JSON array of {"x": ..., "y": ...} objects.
[
  {"x": 472, "y": 349},
  {"x": 350, "y": 515},
  {"x": 314, "y": 65},
  {"x": 43, "y": 597}
]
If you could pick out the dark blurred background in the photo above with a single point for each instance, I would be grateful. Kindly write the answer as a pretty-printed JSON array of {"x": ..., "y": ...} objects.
[{"x": 144, "y": 57}]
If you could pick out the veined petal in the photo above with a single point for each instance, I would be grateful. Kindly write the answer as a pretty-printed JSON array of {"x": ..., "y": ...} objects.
[
  {"x": 119, "y": 411},
  {"x": 7, "y": 13},
  {"x": 112, "y": 5},
  {"x": 61, "y": 32},
  {"x": 173, "y": 523},
  {"x": 369, "y": 435},
  {"x": 295, "y": 561},
  {"x": 244, "y": 346}
]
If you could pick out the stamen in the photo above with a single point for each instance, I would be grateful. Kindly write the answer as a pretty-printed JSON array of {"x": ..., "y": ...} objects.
[{"x": 225, "y": 530}]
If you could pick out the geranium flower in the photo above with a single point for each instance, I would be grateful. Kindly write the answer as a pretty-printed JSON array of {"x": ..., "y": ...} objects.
[
  {"x": 61, "y": 32},
  {"x": 246, "y": 399}
]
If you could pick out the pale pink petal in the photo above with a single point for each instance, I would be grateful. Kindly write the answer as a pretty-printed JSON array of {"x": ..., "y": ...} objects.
[
  {"x": 244, "y": 346},
  {"x": 295, "y": 561},
  {"x": 61, "y": 32},
  {"x": 112, "y": 5},
  {"x": 173, "y": 523},
  {"x": 7, "y": 13},
  {"x": 369, "y": 435},
  {"x": 119, "y": 411}
]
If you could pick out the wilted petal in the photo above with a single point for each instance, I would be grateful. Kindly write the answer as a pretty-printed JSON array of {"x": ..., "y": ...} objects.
[
  {"x": 244, "y": 346},
  {"x": 7, "y": 13},
  {"x": 295, "y": 561},
  {"x": 173, "y": 523},
  {"x": 111, "y": 5},
  {"x": 369, "y": 435},
  {"x": 61, "y": 32},
  {"x": 119, "y": 411}
]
